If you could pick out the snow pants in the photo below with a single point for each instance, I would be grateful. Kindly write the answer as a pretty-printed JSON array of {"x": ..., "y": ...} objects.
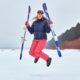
[{"x": 36, "y": 49}]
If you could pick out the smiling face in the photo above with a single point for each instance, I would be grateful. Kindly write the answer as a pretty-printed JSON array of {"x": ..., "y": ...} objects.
[{"x": 39, "y": 16}]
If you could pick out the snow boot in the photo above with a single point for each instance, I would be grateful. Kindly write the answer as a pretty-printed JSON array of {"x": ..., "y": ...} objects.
[
  {"x": 49, "y": 61},
  {"x": 36, "y": 60}
]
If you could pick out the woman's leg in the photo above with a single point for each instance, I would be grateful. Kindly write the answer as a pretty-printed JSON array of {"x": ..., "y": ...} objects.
[
  {"x": 33, "y": 47},
  {"x": 38, "y": 51}
]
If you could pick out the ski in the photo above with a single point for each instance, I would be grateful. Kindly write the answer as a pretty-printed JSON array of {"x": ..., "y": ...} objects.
[
  {"x": 52, "y": 31},
  {"x": 22, "y": 46}
]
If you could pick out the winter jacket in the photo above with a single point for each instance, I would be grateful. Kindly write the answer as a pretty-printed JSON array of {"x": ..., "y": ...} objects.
[{"x": 39, "y": 28}]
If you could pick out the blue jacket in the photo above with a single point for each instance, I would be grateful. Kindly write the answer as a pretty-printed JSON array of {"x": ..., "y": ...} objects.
[{"x": 39, "y": 28}]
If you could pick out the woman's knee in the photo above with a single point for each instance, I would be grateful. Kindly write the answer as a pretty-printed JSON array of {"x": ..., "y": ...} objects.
[
  {"x": 31, "y": 52},
  {"x": 37, "y": 53}
]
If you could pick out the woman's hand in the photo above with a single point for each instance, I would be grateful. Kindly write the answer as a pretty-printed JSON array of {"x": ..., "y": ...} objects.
[
  {"x": 27, "y": 24},
  {"x": 50, "y": 22}
]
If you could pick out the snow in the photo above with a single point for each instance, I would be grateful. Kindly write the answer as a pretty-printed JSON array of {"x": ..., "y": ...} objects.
[{"x": 65, "y": 68}]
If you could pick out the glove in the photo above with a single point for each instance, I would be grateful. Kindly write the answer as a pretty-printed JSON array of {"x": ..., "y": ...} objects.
[
  {"x": 50, "y": 22},
  {"x": 27, "y": 24}
]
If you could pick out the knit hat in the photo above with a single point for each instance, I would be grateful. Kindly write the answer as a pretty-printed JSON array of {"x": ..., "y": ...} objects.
[{"x": 40, "y": 11}]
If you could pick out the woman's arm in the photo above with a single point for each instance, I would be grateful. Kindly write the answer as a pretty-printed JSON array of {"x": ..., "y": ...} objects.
[
  {"x": 30, "y": 28},
  {"x": 47, "y": 27}
]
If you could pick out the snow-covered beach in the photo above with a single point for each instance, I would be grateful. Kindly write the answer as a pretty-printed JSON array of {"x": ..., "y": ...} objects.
[{"x": 65, "y": 68}]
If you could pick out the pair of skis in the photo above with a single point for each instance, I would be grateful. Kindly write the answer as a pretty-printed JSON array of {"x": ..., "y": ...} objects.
[{"x": 54, "y": 37}]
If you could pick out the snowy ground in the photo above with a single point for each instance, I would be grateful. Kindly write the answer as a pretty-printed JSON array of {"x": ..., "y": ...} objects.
[{"x": 65, "y": 68}]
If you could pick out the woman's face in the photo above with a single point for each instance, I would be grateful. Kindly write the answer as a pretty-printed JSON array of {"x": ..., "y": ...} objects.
[{"x": 39, "y": 15}]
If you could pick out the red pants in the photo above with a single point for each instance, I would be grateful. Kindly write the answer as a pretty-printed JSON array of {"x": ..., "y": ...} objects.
[{"x": 36, "y": 49}]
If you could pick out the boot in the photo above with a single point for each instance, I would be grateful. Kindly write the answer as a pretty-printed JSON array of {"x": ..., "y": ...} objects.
[
  {"x": 36, "y": 60},
  {"x": 49, "y": 61}
]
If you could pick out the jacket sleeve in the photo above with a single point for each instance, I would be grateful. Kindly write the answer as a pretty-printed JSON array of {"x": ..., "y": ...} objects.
[
  {"x": 31, "y": 28},
  {"x": 47, "y": 27}
]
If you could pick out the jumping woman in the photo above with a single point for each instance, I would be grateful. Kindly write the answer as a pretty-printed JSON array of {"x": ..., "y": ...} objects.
[{"x": 39, "y": 28}]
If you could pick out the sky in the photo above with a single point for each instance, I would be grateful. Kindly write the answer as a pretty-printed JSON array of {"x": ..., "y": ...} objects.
[{"x": 13, "y": 14}]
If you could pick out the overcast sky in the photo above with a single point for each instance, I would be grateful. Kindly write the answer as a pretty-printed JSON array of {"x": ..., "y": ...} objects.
[{"x": 13, "y": 14}]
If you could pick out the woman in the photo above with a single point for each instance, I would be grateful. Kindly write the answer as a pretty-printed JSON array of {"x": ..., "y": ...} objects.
[{"x": 39, "y": 28}]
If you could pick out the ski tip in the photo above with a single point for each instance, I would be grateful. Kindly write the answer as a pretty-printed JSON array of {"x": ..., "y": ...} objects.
[
  {"x": 44, "y": 6},
  {"x": 29, "y": 8},
  {"x": 59, "y": 54},
  {"x": 44, "y": 3},
  {"x": 20, "y": 57}
]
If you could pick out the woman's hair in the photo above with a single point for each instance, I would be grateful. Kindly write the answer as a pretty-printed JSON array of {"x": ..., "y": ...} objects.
[
  {"x": 36, "y": 18},
  {"x": 40, "y": 11}
]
